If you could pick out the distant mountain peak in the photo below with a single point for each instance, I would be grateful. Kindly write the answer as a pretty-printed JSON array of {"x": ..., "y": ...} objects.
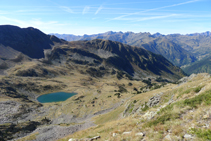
[
  {"x": 207, "y": 33},
  {"x": 157, "y": 34}
]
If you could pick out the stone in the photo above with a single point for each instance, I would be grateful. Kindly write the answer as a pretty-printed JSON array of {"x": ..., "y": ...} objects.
[
  {"x": 168, "y": 138},
  {"x": 154, "y": 101},
  {"x": 115, "y": 134},
  {"x": 95, "y": 138},
  {"x": 149, "y": 115},
  {"x": 188, "y": 136},
  {"x": 140, "y": 134},
  {"x": 126, "y": 133},
  {"x": 206, "y": 116}
]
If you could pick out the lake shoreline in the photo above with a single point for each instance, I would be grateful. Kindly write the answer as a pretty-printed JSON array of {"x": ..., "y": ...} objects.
[{"x": 54, "y": 97}]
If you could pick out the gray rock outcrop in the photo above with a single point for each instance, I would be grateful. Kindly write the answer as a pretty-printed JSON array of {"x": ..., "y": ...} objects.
[{"x": 154, "y": 101}]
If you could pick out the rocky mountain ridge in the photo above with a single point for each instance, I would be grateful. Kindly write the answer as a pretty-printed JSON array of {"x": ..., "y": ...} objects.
[
  {"x": 18, "y": 45},
  {"x": 28, "y": 41},
  {"x": 104, "y": 55},
  {"x": 148, "y": 41}
]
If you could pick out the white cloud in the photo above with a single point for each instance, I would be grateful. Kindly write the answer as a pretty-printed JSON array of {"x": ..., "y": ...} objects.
[
  {"x": 86, "y": 9},
  {"x": 36, "y": 23},
  {"x": 67, "y": 9},
  {"x": 98, "y": 10},
  {"x": 3, "y": 12},
  {"x": 10, "y": 20},
  {"x": 148, "y": 10},
  {"x": 157, "y": 17}
]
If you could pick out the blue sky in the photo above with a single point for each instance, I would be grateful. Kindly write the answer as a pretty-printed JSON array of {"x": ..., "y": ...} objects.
[{"x": 94, "y": 16}]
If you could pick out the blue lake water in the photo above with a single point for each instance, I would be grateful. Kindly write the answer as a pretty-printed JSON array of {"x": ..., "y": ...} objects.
[{"x": 55, "y": 97}]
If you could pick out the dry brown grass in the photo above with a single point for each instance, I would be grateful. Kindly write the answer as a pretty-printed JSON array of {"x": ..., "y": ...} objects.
[{"x": 29, "y": 138}]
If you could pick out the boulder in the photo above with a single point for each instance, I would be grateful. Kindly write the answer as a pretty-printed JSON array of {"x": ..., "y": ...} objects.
[
  {"x": 95, "y": 138},
  {"x": 140, "y": 134},
  {"x": 126, "y": 133},
  {"x": 115, "y": 134},
  {"x": 149, "y": 115},
  {"x": 71, "y": 139},
  {"x": 168, "y": 138},
  {"x": 154, "y": 101},
  {"x": 188, "y": 136}
]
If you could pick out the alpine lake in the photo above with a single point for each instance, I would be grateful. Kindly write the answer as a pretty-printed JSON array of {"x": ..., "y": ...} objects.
[{"x": 55, "y": 97}]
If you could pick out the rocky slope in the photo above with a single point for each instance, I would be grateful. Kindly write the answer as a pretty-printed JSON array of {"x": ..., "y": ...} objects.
[
  {"x": 174, "y": 112},
  {"x": 101, "y": 57}
]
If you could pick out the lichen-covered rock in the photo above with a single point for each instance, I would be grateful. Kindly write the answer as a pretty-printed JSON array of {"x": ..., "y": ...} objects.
[{"x": 154, "y": 101}]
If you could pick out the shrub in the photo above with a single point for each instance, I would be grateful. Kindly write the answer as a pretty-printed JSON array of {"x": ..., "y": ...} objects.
[
  {"x": 120, "y": 75},
  {"x": 194, "y": 102},
  {"x": 118, "y": 95},
  {"x": 164, "y": 118},
  {"x": 130, "y": 84},
  {"x": 135, "y": 89},
  {"x": 147, "y": 82},
  {"x": 122, "y": 89},
  {"x": 131, "y": 108},
  {"x": 145, "y": 107},
  {"x": 197, "y": 89},
  {"x": 204, "y": 134},
  {"x": 129, "y": 76}
]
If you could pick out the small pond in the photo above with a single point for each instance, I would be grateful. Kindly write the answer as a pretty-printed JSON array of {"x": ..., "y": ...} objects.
[{"x": 55, "y": 97}]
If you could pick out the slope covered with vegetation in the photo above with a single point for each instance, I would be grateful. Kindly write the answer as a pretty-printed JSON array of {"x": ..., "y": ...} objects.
[
  {"x": 200, "y": 66},
  {"x": 173, "y": 112}
]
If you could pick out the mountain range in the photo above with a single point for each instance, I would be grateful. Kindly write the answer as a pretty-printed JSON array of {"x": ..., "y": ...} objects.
[
  {"x": 98, "y": 53},
  {"x": 90, "y": 55},
  {"x": 179, "y": 49}
]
